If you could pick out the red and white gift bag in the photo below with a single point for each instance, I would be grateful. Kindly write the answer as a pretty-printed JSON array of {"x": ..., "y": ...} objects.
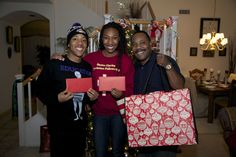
[
  {"x": 160, "y": 119},
  {"x": 121, "y": 105}
]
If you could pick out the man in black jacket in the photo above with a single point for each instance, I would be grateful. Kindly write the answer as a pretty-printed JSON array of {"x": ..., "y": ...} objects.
[{"x": 154, "y": 72}]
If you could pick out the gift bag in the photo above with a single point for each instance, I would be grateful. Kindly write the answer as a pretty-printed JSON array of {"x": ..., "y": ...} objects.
[
  {"x": 160, "y": 119},
  {"x": 44, "y": 139},
  {"x": 121, "y": 105}
]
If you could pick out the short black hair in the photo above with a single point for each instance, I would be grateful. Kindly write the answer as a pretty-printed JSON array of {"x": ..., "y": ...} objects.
[{"x": 144, "y": 32}]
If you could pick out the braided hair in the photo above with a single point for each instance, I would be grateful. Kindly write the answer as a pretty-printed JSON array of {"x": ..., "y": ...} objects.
[{"x": 122, "y": 46}]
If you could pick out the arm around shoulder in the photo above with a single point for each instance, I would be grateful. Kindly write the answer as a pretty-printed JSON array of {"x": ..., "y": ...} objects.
[{"x": 128, "y": 72}]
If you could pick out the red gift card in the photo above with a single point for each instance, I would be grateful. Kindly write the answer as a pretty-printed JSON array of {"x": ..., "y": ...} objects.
[
  {"x": 78, "y": 85},
  {"x": 107, "y": 83}
]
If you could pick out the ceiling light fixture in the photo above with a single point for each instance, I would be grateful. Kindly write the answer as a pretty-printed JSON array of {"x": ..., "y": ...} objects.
[{"x": 213, "y": 41}]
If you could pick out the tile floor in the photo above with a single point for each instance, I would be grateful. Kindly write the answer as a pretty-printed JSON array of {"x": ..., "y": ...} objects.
[
  {"x": 9, "y": 140},
  {"x": 211, "y": 143}
]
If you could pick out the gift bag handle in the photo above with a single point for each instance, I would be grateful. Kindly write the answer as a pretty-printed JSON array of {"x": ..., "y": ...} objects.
[{"x": 148, "y": 78}]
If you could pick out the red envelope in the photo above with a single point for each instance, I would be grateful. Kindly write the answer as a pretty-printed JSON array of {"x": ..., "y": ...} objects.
[
  {"x": 78, "y": 85},
  {"x": 107, "y": 83}
]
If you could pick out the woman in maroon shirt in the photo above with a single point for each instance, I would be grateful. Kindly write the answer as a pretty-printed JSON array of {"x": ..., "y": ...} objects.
[{"x": 111, "y": 59}]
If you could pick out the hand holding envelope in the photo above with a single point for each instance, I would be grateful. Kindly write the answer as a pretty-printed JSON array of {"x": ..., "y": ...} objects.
[
  {"x": 78, "y": 85},
  {"x": 64, "y": 96},
  {"x": 92, "y": 94},
  {"x": 111, "y": 82},
  {"x": 115, "y": 84}
]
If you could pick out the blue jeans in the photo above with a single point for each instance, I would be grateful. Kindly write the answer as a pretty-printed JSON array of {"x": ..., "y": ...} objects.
[{"x": 106, "y": 128}]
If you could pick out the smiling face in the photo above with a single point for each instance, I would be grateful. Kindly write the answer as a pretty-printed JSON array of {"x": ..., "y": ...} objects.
[
  {"x": 141, "y": 47},
  {"x": 110, "y": 41},
  {"x": 77, "y": 47}
]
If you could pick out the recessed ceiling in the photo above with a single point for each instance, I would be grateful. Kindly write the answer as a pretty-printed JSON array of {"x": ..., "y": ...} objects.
[
  {"x": 22, "y": 17},
  {"x": 27, "y": 1}
]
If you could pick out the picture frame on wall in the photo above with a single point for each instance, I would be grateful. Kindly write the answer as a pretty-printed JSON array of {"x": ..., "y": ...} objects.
[
  {"x": 223, "y": 52},
  {"x": 17, "y": 44},
  {"x": 208, "y": 25},
  {"x": 193, "y": 51},
  {"x": 9, "y": 52},
  {"x": 208, "y": 53},
  {"x": 9, "y": 34}
]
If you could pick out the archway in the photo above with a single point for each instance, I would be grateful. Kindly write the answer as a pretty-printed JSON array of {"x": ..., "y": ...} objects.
[
  {"x": 35, "y": 45},
  {"x": 33, "y": 30}
]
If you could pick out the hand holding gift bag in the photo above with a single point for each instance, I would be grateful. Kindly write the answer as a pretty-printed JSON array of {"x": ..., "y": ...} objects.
[
  {"x": 121, "y": 105},
  {"x": 160, "y": 119}
]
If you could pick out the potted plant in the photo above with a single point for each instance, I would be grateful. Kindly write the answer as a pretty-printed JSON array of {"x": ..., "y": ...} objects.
[{"x": 43, "y": 54}]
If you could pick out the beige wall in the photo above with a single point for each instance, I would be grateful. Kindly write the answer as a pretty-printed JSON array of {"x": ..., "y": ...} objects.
[
  {"x": 11, "y": 66},
  {"x": 8, "y": 67},
  {"x": 189, "y": 27},
  {"x": 71, "y": 11}
]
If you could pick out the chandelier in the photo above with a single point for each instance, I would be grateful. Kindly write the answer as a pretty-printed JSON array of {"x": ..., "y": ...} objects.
[{"x": 213, "y": 40}]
